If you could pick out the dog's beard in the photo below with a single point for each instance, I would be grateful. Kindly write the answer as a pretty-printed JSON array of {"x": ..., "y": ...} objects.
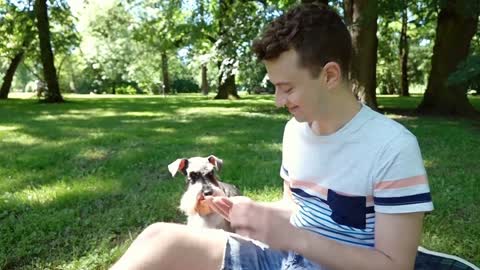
[{"x": 189, "y": 201}]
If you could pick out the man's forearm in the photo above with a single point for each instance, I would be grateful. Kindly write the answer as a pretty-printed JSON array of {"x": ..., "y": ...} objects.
[
  {"x": 335, "y": 255},
  {"x": 282, "y": 204}
]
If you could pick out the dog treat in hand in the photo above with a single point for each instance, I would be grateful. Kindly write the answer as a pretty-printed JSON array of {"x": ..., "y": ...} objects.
[{"x": 202, "y": 208}]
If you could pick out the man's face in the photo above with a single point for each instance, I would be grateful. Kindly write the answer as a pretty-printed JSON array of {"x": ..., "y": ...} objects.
[{"x": 295, "y": 88}]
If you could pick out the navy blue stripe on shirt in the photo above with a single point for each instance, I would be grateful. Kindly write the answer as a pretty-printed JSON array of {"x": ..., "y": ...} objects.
[
  {"x": 411, "y": 199},
  {"x": 299, "y": 192},
  {"x": 311, "y": 221},
  {"x": 304, "y": 194},
  {"x": 322, "y": 220}
]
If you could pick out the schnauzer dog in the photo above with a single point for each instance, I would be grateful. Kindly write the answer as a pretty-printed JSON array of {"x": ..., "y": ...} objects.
[{"x": 202, "y": 181}]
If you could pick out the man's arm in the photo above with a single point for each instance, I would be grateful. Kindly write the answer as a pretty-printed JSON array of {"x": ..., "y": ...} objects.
[
  {"x": 396, "y": 241},
  {"x": 396, "y": 236}
]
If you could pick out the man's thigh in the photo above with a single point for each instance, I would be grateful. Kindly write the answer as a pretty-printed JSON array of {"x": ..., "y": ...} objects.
[{"x": 175, "y": 246}]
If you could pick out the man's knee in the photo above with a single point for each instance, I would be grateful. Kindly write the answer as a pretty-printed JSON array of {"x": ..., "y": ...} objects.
[
  {"x": 155, "y": 230},
  {"x": 178, "y": 235}
]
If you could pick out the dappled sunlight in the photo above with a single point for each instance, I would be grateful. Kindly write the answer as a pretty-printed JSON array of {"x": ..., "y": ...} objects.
[
  {"x": 20, "y": 138},
  {"x": 60, "y": 189},
  {"x": 209, "y": 139},
  {"x": 400, "y": 117},
  {"x": 94, "y": 154},
  {"x": 85, "y": 115},
  {"x": 108, "y": 96},
  {"x": 214, "y": 110},
  {"x": 8, "y": 128},
  {"x": 265, "y": 194},
  {"x": 147, "y": 113},
  {"x": 272, "y": 146},
  {"x": 164, "y": 130},
  {"x": 429, "y": 164},
  {"x": 22, "y": 95}
]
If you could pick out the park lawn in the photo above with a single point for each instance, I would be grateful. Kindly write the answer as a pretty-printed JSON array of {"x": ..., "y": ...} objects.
[{"x": 78, "y": 181}]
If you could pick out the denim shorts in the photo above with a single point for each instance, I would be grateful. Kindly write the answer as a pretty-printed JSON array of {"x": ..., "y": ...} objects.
[{"x": 246, "y": 254}]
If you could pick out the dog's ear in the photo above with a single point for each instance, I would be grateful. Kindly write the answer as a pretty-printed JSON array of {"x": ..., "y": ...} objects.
[
  {"x": 180, "y": 164},
  {"x": 218, "y": 163}
]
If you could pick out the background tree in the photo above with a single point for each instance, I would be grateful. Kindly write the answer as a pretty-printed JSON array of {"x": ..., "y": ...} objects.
[
  {"x": 361, "y": 17},
  {"x": 227, "y": 62},
  {"x": 111, "y": 47},
  {"x": 53, "y": 90},
  {"x": 403, "y": 51},
  {"x": 456, "y": 24},
  {"x": 18, "y": 29}
]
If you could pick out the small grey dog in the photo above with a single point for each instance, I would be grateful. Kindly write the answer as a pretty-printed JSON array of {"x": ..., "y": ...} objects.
[{"x": 202, "y": 181}]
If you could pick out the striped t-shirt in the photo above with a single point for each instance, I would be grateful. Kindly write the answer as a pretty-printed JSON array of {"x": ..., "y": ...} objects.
[{"x": 372, "y": 164}]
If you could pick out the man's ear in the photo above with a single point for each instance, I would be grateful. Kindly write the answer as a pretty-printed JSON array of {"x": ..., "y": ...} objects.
[
  {"x": 333, "y": 74},
  {"x": 180, "y": 164},
  {"x": 218, "y": 163}
]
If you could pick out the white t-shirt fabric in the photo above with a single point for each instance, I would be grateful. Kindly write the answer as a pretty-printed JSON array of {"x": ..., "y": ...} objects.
[{"x": 372, "y": 164}]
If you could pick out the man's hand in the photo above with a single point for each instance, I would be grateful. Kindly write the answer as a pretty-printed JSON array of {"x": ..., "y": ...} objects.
[{"x": 268, "y": 224}]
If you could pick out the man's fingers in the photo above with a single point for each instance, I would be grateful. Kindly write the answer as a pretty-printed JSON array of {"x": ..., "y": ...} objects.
[
  {"x": 219, "y": 207},
  {"x": 245, "y": 232},
  {"x": 227, "y": 202},
  {"x": 218, "y": 210}
]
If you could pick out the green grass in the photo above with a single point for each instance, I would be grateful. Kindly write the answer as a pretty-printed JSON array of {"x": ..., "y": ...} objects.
[{"x": 78, "y": 181}]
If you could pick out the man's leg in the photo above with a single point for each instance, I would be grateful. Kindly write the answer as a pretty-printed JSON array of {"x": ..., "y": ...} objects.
[{"x": 174, "y": 246}]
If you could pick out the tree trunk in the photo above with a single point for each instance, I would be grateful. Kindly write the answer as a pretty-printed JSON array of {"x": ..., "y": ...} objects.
[
  {"x": 204, "y": 86},
  {"x": 227, "y": 87},
  {"x": 361, "y": 17},
  {"x": 403, "y": 51},
  {"x": 8, "y": 78},
  {"x": 12, "y": 68},
  {"x": 456, "y": 25},
  {"x": 114, "y": 88},
  {"x": 166, "y": 78},
  {"x": 53, "y": 93}
]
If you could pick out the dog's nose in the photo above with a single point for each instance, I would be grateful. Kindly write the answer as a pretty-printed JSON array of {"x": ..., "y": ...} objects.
[{"x": 208, "y": 192}]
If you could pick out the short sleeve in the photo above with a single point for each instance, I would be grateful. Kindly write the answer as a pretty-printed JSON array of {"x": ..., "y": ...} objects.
[
  {"x": 287, "y": 145},
  {"x": 285, "y": 153},
  {"x": 400, "y": 179}
]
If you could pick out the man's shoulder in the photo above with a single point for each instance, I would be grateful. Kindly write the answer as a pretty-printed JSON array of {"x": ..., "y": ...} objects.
[{"x": 382, "y": 128}]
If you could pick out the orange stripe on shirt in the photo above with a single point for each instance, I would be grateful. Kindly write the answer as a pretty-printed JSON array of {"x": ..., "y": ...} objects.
[
  {"x": 401, "y": 183},
  {"x": 310, "y": 185},
  {"x": 321, "y": 190}
]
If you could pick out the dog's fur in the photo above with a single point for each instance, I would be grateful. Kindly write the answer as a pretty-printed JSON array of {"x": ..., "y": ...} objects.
[{"x": 202, "y": 180}]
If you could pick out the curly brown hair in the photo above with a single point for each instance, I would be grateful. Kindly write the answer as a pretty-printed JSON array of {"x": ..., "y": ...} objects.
[{"x": 315, "y": 31}]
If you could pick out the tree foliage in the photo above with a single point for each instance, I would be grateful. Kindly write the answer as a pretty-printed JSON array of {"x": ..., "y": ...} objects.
[{"x": 152, "y": 45}]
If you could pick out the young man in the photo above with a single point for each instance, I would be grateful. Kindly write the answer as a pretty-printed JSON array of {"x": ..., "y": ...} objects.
[{"x": 355, "y": 189}]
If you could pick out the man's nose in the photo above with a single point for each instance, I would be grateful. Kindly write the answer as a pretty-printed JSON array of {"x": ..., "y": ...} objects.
[{"x": 280, "y": 98}]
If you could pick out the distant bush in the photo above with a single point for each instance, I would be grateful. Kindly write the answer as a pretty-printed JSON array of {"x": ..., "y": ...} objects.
[
  {"x": 185, "y": 86},
  {"x": 467, "y": 73},
  {"x": 126, "y": 90}
]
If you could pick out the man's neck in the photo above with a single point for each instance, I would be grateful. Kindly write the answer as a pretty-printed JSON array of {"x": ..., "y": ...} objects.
[{"x": 339, "y": 117}]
